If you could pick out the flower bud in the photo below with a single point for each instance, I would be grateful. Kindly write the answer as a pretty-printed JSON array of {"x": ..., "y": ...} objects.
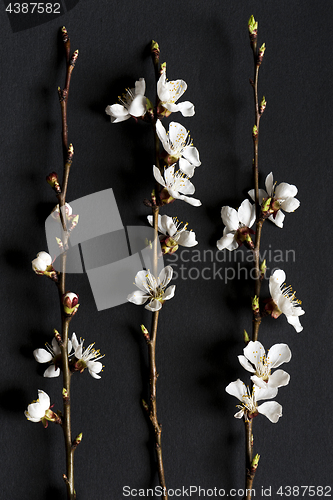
[
  {"x": 74, "y": 57},
  {"x": 255, "y": 463},
  {"x": 42, "y": 265},
  {"x": 255, "y": 131},
  {"x": 70, "y": 301},
  {"x": 56, "y": 211},
  {"x": 168, "y": 245},
  {"x": 263, "y": 268},
  {"x": 77, "y": 441},
  {"x": 246, "y": 337},
  {"x": 263, "y": 105},
  {"x": 261, "y": 54},
  {"x": 145, "y": 333},
  {"x": 53, "y": 180},
  {"x": 255, "y": 304},
  {"x": 253, "y": 28}
]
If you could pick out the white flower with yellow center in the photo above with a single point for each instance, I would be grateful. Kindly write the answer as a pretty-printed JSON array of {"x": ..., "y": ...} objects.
[
  {"x": 176, "y": 184},
  {"x": 285, "y": 300},
  {"x": 178, "y": 144},
  {"x": 255, "y": 361},
  {"x": 249, "y": 407},
  {"x": 152, "y": 289},
  {"x": 171, "y": 228},
  {"x": 132, "y": 103},
  {"x": 87, "y": 358},
  {"x": 170, "y": 92},
  {"x": 283, "y": 198}
]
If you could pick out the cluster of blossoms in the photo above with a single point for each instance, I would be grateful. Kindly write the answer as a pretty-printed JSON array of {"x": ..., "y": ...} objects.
[
  {"x": 237, "y": 231},
  {"x": 265, "y": 383},
  {"x": 238, "y": 223},
  {"x": 180, "y": 159}
]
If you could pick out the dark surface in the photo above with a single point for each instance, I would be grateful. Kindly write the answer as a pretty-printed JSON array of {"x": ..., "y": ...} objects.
[{"x": 200, "y": 332}]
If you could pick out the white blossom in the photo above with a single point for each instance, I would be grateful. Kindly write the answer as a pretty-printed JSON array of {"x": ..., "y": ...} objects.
[
  {"x": 87, "y": 358},
  {"x": 170, "y": 92},
  {"x": 255, "y": 361},
  {"x": 171, "y": 227},
  {"x": 37, "y": 409},
  {"x": 51, "y": 354},
  {"x": 283, "y": 198},
  {"x": 176, "y": 184},
  {"x": 152, "y": 289},
  {"x": 132, "y": 103},
  {"x": 42, "y": 262},
  {"x": 237, "y": 225},
  {"x": 178, "y": 144},
  {"x": 285, "y": 300},
  {"x": 249, "y": 407}
]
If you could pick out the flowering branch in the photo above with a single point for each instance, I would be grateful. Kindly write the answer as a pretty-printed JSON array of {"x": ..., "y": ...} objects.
[{"x": 268, "y": 205}]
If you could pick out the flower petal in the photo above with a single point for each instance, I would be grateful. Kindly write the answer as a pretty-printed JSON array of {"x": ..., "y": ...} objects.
[
  {"x": 279, "y": 218},
  {"x": 246, "y": 213},
  {"x": 279, "y": 378},
  {"x": 138, "y": 106},
  {"x": 187, "y": 239},
  {"x": 264, "y": 393},
  {"x": 163, "y": 137},
  {"x": 169, "y": 292},
  {"x": 259, "y": 382},
  {"x": 140, "y": 86},
  {"x": 285, "y": 190},
  {"x": 269, "y": 184},
  {"x": 165, "y": 276},
  {"x": 117, "y": 112},
  {"x": 191, "y": 201},
  {"x": 94, "y": 366},
  {"x": 228, "y": 241},
  {"x": 158, "y": 176},
  {"x": 295, "y": 322},
  {"x": 44, "y": 399},
  {"x": 138, "y": 298},
  {"x": 254, "y": 352},
  {"x": 42, "y": 356},
  {"x": 191, "y": 154},
  {"x": 186, "y": 167},
  {"x": 278, "y": 354},
  {"x": 230, "y": 218},
  {"x": 141, "y": 281},
  {"x": 51, "y": 372},
  {"x": 167, "y": 225},
  {"x": 272, "y": 410},
  {"x": 154, "y": 305},
  {"x": 246, "y": 364},
  {"x": 262, "y": 195},
  {"x": 237, "y": 389},
  {"x": 186, "y": 108},
  {"x": 290, "y": 204}
]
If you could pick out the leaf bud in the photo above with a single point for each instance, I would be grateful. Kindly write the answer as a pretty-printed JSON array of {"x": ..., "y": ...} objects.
[{"x": 262, "y": 105}]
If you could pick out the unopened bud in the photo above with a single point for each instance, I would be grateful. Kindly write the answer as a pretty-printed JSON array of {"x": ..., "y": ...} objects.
[
  {"x": 53, "y": 180},
  {"x": 70, "y": 153},
  {"x": 246, "y": 337},
  {"x": 261, "y": 54},
  {"x": 64, "y": 34},
  {"x": 65, "y": 394},
  {"x": 255, "y": 462},
  {"x": 58, "y": 337},
  {"x": 74, "y": 57},
  {"x": 154, "y": 46},
  {"x": 255, "y": 131},
  {"x": 163, "y": 68},
  {"x": 145, "y": 333},
  {"x": 255, "y": 304},
  {"x": 266, "y": 203},
  {"x": 262, "y": 105},
  {"x": 42, "y": 265},
  {"x": 263, "y": 268},
  {"x": 70, "y": 302},
  {"x": 253, "y": 28},
  {"x": 77, "y": 441}
]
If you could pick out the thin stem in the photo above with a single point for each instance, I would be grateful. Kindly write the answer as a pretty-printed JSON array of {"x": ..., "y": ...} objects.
[
  {"x": 248, "y": 457},
  {"x": 68, "y": 155}
]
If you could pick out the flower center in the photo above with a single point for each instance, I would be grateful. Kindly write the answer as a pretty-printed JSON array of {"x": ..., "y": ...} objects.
[
  {"x": 288, "y": 292},
  {"x": 126, "y": 98}
]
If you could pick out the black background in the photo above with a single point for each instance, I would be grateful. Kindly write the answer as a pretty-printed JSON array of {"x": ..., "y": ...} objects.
[{"x": 200, "y": 332}]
